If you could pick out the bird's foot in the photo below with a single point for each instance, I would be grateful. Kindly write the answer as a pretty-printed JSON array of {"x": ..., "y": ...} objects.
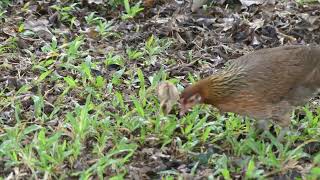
[
  {"x": 262, "y": 125},
  {"x": 282, "y": 133},
  {"x": 263, "y": 128}
]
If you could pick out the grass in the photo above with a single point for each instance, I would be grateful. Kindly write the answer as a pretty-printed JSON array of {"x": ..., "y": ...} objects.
[
  {"x": 111, "y": 139},
  {"x": 71, "y": 118}
]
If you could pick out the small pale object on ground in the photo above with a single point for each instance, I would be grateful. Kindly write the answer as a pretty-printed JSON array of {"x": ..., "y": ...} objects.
[
  {"x": 196, "y": 4},
  {"x": 168, "y": 96}
]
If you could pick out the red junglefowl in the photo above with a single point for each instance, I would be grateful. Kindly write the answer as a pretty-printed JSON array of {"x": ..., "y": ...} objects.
[{"x": 265, "y": 85}]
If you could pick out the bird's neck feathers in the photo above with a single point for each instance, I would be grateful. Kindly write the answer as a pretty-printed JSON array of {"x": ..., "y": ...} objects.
[{"x": 219, "y": 86}]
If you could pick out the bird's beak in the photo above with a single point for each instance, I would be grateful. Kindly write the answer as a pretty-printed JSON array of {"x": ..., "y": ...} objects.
[{"x": 183, "y": 109}]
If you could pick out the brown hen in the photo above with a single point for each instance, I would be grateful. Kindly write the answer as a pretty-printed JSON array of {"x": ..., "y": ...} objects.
[{"x": 265, "y": 85}]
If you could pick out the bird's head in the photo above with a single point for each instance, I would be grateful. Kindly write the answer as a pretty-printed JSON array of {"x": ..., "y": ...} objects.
[
  {"x": 212, "y": 90},
  {"x": 189, "y": 98}
]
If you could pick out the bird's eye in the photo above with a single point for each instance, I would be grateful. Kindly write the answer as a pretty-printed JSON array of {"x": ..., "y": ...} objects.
[
  {"x": 191, "y": 99},
  {"x": 194, "y": 99},
  {"x": 198, "y": 97}
]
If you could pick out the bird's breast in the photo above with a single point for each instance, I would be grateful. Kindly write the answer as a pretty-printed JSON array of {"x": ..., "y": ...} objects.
[{"x": 246, "y": 104}]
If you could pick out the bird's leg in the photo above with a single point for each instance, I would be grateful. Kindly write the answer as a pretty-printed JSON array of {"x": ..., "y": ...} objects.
[
  {"x": 284, "y": 122},
  {"x": 282, "y": 133},
  {"x": 282, "y": 116},
  {"x": 262, "y": 126}
]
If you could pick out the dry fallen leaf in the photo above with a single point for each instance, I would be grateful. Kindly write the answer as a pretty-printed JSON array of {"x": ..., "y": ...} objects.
[
  {"x": 256, "y": 2},
  {"x": 148, "y": 3},
  {"x": 40, "y": 27},
  {"x": 196, "y": 4},
  {"x": 95, "y": 2},
  {"x": 168, "y": 96},
  {"x": 92, "y": 33}
]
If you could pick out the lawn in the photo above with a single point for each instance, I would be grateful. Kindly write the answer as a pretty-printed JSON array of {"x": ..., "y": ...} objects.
[{"x": 78, "y": 89}]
